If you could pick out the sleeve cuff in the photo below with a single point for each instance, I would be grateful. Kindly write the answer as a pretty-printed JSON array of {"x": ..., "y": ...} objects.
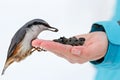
[{"x": 112, "y": 30}]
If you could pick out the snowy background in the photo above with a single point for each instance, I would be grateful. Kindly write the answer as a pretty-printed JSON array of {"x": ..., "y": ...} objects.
[{"x": 71, "y": 17}]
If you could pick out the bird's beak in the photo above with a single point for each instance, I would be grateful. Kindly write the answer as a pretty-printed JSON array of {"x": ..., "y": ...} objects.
[{"x": 53, "y": 29}]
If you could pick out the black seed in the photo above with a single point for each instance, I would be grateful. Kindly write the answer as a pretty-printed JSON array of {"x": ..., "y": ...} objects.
[
  {"x": 56, "y": 40},
  {"x": 62, "y": 40},
  {"x": 81, "y": 41},
  {"x": 74, "y": 39},
  {"x": 76, "y": 43},
  {"x": 70, "y": 41}
]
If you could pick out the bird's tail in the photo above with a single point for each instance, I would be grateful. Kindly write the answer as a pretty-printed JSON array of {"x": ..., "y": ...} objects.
[{"x": 7, "y": 63}]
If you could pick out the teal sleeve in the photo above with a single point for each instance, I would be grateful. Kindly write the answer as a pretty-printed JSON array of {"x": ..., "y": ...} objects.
[{"x": 112, "y": 57}]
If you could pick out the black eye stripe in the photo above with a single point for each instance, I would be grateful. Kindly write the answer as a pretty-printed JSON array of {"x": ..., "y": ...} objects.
[{"x": 38, "y": 23}]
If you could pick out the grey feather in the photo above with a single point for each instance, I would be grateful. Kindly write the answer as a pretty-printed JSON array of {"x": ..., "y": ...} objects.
[
  {"x": 20, "y": 34},
  {"x": 36, "y": 22},
  {"x": 17, "y": 38}
]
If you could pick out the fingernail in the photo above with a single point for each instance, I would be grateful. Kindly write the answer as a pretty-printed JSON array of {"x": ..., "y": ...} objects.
[{"x": 76, "y": 51}]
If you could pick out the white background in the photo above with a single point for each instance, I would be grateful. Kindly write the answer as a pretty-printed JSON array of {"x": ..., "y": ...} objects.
[{"x": 71, "y": 17}]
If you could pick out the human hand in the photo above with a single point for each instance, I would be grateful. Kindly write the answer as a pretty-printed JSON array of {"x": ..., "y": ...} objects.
[{"x": 94, "y": 48}]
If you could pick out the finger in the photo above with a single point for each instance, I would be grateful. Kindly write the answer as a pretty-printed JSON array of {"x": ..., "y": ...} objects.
[
  {"x": 37, "y": 42},
  {"x": 66, "y": 51},
  {"x": 55, "y": 47},
  {"x": 60, "y": 50}
]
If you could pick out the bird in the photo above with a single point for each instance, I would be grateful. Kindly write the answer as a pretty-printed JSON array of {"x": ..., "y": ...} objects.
[{"x": 20, "y": 46}]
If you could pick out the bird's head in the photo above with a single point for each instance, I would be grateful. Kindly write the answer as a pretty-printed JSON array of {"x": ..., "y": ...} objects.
[{"x": 41, "y": 24}]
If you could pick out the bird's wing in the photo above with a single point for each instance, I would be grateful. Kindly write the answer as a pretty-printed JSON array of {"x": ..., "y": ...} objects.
[{"x": 17, "y": 38}]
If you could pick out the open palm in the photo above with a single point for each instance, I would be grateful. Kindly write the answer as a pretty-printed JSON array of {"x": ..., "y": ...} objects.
[{"x": 94, "y": 48}]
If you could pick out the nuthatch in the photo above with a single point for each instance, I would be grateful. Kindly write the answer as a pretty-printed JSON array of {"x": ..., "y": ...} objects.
[{"x": 20, "y": 46}]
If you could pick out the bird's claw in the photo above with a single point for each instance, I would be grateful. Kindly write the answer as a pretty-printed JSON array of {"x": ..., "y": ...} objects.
[{"x": 39, "y": 49}]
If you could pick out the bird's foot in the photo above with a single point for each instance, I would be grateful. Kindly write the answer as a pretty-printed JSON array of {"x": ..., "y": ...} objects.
[{"x": 39, "y": 49}]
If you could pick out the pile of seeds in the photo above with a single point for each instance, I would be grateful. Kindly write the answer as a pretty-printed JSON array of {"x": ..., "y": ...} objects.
[{"x": 71, "y": 41}]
